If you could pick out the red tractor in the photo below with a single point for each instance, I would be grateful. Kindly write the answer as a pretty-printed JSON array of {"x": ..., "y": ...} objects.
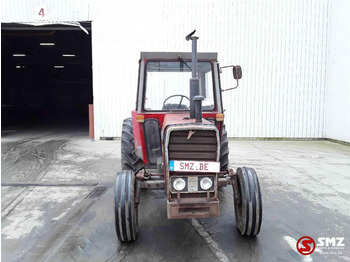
[{"x": 176, "y": 140}]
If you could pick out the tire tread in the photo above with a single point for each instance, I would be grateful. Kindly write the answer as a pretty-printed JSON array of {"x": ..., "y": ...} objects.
[
  {"x": 129, "y": 160},
  {"x": 125, "y": 211},
  {"x": 251, "y": 202},
  {"x": 224, "y": 151}
]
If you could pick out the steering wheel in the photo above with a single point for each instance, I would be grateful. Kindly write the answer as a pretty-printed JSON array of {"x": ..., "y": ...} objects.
[{"x": 182, "y": 97}]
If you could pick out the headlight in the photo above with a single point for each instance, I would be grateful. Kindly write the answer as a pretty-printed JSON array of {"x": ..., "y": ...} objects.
[
  {"x": 206, "y": 183},
  {"x": 179, "y": 184}
]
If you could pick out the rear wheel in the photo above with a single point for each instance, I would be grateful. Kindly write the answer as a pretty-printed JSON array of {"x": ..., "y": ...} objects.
[
  {"x": 224, "y": 152},
  {"x": 130, "y": 161},
  {"x": 247, "y": 201},
  {"x": 126, "y": 217}
]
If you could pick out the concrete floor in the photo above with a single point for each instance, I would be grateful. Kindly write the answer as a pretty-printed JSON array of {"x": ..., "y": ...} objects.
[{"x": 61, "y": 208}]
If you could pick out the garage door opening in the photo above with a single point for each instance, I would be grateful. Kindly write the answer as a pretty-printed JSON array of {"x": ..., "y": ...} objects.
[{"x": 46, "y": 75}]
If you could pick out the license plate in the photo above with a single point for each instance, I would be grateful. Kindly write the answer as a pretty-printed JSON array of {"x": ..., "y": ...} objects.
[{"x": 194, "y": 166}]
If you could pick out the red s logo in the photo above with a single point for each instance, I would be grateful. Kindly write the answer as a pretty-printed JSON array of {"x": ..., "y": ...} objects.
[{"x": 306, "y": 245}]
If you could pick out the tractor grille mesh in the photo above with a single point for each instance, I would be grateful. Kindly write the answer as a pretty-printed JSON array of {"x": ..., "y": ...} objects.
[{"x": 200, "y": 146}]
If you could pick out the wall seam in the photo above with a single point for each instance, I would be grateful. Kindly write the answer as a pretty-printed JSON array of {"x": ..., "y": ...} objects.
[{"x": 325, "y": 89}]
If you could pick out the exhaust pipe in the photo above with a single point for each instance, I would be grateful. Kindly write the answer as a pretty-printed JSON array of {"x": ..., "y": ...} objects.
[
  {"x": 198, "y": 107},
  {"x": 194, "y": 81},
  {"x": 194, "y": 91}
]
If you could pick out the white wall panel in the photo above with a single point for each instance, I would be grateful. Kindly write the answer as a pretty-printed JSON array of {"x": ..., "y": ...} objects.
[
  {"x": 294, "y": 55},
  {"x": 281, "y": 46},
  {"x": 337, "y": 124},
  {"x": 22, "y": 11}
]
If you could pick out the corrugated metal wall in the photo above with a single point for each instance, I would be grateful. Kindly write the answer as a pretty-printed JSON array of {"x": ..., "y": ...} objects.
[
  {"x": 59, "y": 11},
  {"x": 294, "y": 55},
  {"x": 281, "y": 46},
  {"x": 337, "y": 124}
]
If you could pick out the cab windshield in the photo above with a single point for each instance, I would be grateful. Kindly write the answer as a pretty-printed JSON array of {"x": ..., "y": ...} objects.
[{"x": 168, "y": 85}]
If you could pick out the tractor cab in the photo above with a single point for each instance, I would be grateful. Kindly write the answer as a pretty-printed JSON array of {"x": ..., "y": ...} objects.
[
  {"x": 166, "y": 81},
  {"x": 176, "y": 141},
  {"x": 164, "y": 90}
]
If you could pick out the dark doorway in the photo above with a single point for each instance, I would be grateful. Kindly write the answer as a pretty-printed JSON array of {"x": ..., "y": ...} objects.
[{"x": 46, "y": 75}]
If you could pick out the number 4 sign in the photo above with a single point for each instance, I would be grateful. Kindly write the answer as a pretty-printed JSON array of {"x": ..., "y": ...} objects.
[{"x": 41, "y": 13}]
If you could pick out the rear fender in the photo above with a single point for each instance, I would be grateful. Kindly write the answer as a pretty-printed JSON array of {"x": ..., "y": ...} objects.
[{"x": 139, "y": 138}]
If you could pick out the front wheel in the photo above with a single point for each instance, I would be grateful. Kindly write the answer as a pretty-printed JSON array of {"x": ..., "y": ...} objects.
[
  {"x": 126, "y": 218},
  {"x": 247, "y": 201}
]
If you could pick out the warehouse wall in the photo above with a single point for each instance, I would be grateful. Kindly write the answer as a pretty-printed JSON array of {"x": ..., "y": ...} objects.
[
  {"x": 337, "y": 125},
  {"x": 281, "y": 46},
  {"x": 293, "y": 53},
  {"x": 59, "y": 11}
]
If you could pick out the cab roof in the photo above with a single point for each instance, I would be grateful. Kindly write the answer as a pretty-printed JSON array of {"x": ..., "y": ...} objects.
[{"x": 174, "y": 55}]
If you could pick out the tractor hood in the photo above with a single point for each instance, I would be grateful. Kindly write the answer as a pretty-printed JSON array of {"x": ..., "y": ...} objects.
[{"x": 182, "y": 119}]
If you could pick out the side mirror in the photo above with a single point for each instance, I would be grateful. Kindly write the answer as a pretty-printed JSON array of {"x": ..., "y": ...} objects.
[{"x": 237, "y": 72}]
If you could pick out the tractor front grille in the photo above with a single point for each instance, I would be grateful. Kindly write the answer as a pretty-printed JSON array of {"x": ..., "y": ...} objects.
[{"x": 197, "y": 145}]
